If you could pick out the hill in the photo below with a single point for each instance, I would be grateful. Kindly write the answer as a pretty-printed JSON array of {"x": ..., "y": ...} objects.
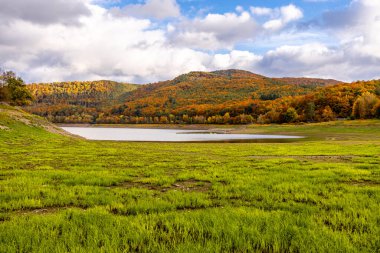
[
  {"x": 16, "y": 122},
  {"x": 218, "y": 97},
  {"x": 203, "y": 92},
  {"x": 308, "y": 81},
  {"x": 241, "y": 97},
  {"x": 76, "y": 101}
]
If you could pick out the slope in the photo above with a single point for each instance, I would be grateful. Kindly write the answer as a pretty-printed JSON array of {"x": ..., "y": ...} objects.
[
  {"x": 17, "y": 125},
  {"x": 210, "y": 91},
  {"x": 76, "y": 101}
]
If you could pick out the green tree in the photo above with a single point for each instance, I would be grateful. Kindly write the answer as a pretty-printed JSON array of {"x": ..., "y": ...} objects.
[
  {"x": 13, "y": 89},
  {"x": 310, "y": 111},
  {"x": 291, "y": 115},
  {"x": 172, "y": 119}
]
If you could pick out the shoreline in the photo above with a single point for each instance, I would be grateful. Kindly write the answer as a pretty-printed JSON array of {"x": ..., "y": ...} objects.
[{"x": 221, "y": 128}]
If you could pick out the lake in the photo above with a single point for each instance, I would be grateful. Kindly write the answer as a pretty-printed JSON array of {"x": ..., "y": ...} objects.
[{"x": 170, "y": 135}]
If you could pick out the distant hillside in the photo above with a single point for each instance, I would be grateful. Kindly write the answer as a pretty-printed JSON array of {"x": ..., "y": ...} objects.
[
  {"x": 197, "y": 91},
  {"x": 308, "y": 81},
  {"x": 240, "y": 97},
  {"x": 76, "y": 100},
  {"x": 219, "y": 97}
]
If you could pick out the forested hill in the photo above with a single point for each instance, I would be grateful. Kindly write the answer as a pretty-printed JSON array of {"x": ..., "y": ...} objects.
[
  {"x": 80, "y": 93},
  {"x": 219, "y": 97},
  {"x": 200, "y": 92},
  {"x": 76, "y": 101},
  {"x": 197, "y": 88},
  {"x": 308, "y": 81}
]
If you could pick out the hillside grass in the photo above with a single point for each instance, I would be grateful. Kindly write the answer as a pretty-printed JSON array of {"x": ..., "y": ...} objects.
[{"x": 64, "y": 194}]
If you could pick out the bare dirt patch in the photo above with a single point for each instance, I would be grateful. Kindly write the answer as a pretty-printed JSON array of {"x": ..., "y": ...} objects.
[
  {"x": 44, "y": 210},
  {"x": 326, "y": 158},
  {"x": 362, "y": 183},
  {"x": 191, "y": 185}
]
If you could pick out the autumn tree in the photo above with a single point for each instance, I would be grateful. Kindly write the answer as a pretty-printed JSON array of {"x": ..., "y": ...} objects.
[
  {"x": 290, "y": 115},
  {"x": 262, "y": 119},
  {"x": 226, "y": 118},
  {"x": 327, "y": 114},
  {"x": 13, "y": 89},
  {"x": 363, "y": 106},
  {"x": 185, "y": 118},
  {"x": 376, "y": 110},
  {"x": 273, "y": 116},
  {"x": 164, "y": 120}
]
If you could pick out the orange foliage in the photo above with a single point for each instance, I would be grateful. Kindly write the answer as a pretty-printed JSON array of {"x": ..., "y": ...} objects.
[{"x": 221, "y": 97}]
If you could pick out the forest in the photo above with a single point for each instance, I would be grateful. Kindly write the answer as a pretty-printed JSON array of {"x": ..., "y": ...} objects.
[
  {"x": 219, "y": 97},
  {"x": 77, "y": 102}
]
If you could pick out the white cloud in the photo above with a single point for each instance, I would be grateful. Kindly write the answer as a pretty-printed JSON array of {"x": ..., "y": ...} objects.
[
  {"x": 239, "y": 9},
  {"x": 97, "y": 44},
  {"x": 103, "y": 46},
  {"x": 307, "y": 59},
  {"x": 105, "y": 1},
  {"x": 317, "y": 60},
  {"x": 274, "y": 24},
  {"x": 280, "y": 16},
  {"x": 42, "y": 11},
  {"x": 159, "y": 9},
  {"x": 215, "y": 31},
  {"x": 355, "y": 54},
  {"x": 261, "y": 11},
  {"x": 290, "y": 13},
  {"x": 235, "y": 59},
  {"x": 357, "y": 27}
]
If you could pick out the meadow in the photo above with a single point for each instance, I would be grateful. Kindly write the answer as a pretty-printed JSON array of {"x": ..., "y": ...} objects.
[{"x": 60, "y": 193}]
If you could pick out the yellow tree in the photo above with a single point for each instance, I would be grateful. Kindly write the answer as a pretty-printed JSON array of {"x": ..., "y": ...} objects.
[
  {"x": 364, "y": 105},
  {"x": 328, "y": 114}
]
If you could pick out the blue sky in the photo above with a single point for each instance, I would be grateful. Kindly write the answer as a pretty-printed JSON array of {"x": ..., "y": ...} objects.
[
  {"x": 153, "y": 40},
  {"x": 311, "y": 8}
]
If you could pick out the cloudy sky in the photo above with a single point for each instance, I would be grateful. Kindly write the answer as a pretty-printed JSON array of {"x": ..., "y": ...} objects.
[{"x": 151, "y": 40}]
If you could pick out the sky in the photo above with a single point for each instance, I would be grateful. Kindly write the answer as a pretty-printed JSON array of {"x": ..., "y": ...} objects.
[{"x": 142, "y": 41}]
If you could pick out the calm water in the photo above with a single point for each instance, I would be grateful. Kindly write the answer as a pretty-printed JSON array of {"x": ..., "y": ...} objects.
[{"x": 170, "y": 135}]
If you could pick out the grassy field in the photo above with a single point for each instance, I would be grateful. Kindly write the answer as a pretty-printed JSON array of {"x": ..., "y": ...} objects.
[{"x": 63, "y": 194}]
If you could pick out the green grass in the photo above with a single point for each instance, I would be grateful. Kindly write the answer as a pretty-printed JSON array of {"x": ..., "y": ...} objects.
[{"x": 63, "y": 194}]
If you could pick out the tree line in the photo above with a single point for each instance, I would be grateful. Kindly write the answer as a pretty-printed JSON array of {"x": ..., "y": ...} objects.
[{"x": 358, "y": 100}]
